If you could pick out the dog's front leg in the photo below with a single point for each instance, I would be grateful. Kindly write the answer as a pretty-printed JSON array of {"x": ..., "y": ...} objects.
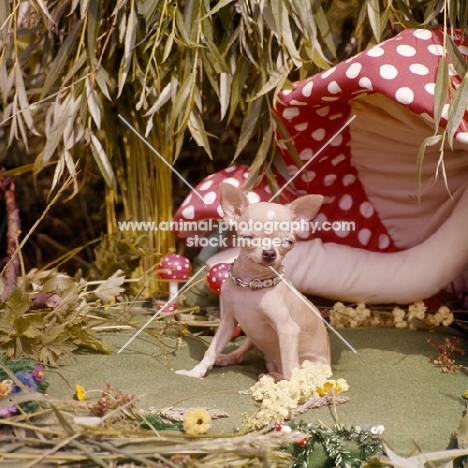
[
  {"x": 220, "y": 340},
  {"x": 288, "y": 337}
]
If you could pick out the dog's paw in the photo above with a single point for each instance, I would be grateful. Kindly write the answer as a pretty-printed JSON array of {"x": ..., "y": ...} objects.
[
  {"x": 229, "y": 359},
  {"x": 197, "y": 373}
]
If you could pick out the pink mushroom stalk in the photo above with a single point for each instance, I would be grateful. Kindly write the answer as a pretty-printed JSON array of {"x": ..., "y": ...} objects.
[
  {"x": 216, "y": 276},
  {"x": 174, "y": 268}
]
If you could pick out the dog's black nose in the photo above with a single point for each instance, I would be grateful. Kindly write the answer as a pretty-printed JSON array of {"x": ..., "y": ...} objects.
[{"x": 269, "y": 255}]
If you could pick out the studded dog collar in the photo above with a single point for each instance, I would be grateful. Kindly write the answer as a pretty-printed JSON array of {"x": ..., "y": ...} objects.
[{"x": 256, "y": 283}]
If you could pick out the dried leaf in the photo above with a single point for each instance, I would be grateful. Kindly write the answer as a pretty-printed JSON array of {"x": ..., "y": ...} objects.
[
  {"x": 103, "y": 162},
  {"x": 249, "y": 124},
  {"x": 373, "y": 13},
  {"x": 94, "y": 105},
  {"x": 110, "y": 288},
  {"x": 429, "y": 141},
  {"x": 441, "y": 90},
  {"x": 63, "y": 56},
  {"x": 130, "y": 38},
  {"x": 457, "y": 109}
]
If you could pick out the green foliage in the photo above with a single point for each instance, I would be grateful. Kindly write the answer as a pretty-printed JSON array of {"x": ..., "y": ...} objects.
[
  {"x": 343, "y": 446},
  {"x": 120, "y": 250},
  {"x": 46, "y": 335}
]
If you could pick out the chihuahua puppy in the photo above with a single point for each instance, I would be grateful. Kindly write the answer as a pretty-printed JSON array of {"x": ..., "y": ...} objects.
[{"x": 277, "y": 319}]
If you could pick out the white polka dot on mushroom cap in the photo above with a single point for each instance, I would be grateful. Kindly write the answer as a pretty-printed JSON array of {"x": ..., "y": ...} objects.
[
  {"x": 419, "y": 69},
  {"x": 423, "y": 34},
  {"x": 328, "y": 73},
  {"x": 230, "y": 169},
  {"x": 307, "y": 89},
  {"x": 338, "y": 159},
  {"x": 342, "y": 233},
  {"x": 291, "y": 112},
  {"x": 337, "y": 141},
  {"x": 329, "y": 179},
  {"x": 320, "y": 219},
  {"x": 301, "y": 127},
  {"x": 404, "y": 95},
  {"x": 364, "y": 236},
  {"x": 323, "y": 111},
  {"x": 384, "y": 241},
  {"x": 366, "y": 209},
  {"x": 308, "y": 176},
  {"x": 353, "y": 70},
  {"x": 388, "y": 72},
  {"x": 209, "y": 198},
  {"x": 430, "y": 88},
  {"x": 349, "y": 179},
  {"x": 334, "y": 87},
  {"x": 346, "y": 202},
  {"x": 232, "y": 181},
  {"x": 188, "y": 212},
  {"x": 188, "y": 199},
  {"x": 305, "y": 154},
  {"x": 406, "y": 50},
  {"x": 366, "y": 83},
  {"x": 253, "y": 197},
  {"x": 375, "y": 51},
  {"x": 205, "y": 186},
  {"x": 319, "y": 134},
  {"x": 436, "y": 49}
]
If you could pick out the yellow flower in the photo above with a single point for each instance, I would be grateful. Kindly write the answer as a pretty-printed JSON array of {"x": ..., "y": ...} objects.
[
  {"x": 196, "y": 421},
  {"x": 465, "y": 395},
  {"x": 80, "y": 392}
]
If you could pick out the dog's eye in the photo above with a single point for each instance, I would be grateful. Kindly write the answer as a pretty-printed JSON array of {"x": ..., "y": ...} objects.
[
  {"x": 288, "y": 242},
  {"x": 247, "y": 237}
]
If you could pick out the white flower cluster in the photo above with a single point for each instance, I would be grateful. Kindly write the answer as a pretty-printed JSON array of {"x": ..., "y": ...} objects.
[
  {"x": 280, "y": 398},
  {"x": 417, "y": 310},
  {"x": 342, "y": 316},
  {"x": 352, "y": 317}
]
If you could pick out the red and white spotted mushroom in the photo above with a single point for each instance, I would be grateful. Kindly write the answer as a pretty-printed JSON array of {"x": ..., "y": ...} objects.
[
  {"x": 166, "y": 309},
  {"x": 174, "y": 268},
  {"x": 216, "y": 276}
]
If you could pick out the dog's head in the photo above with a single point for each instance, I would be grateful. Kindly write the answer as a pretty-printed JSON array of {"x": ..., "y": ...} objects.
[{"x": 266, "y": 232}]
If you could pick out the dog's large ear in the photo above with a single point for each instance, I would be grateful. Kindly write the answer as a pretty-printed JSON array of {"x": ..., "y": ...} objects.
[
  {"x": 232, "y": 201},
  {"x": 306, "y": 207}
]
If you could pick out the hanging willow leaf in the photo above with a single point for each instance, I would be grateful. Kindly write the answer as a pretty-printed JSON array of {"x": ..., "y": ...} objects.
[
  {"x": 429, "y": 141},
  {"x": 130, "y": 38},
  {"x": 373, "y": 13},
  {"x": 62, "y": 58},
  {"x": 92, "y": 27},
  {"x": 457, "y": 109},
  {"x": 459, "y": 62},
  {"x": 249, "y": 124},
  {"x": 441, "y": 90},
  {"x": 197, "y": 130},
  {"x": 94, "y": 105},
  {"x": 68, "y": 111},
  {"x": 103, "y": 162}
]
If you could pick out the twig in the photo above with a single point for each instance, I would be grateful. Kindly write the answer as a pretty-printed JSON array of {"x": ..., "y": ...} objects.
[{"x": 66, "y": 184}]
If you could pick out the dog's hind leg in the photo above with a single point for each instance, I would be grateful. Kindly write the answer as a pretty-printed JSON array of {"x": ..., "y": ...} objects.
[{"x": 237, "y": 356}]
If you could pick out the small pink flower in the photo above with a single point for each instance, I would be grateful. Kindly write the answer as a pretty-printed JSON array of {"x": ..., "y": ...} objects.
[{"x": 37, "y": 374}]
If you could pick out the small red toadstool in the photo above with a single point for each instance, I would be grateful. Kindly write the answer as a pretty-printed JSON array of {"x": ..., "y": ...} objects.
[
  {"x": 216, "y": 276},
  {"x": 168, "y": 308},
  {"x": 175, "y": 268}
]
